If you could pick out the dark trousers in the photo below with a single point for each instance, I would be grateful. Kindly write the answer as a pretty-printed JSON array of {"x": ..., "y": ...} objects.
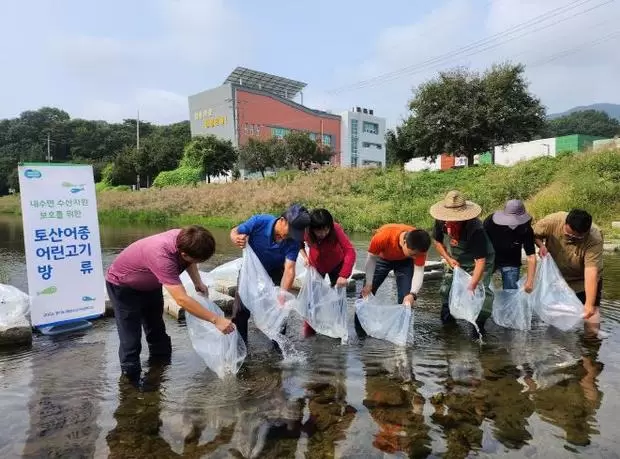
[
  {"x": 133, "y": 311},
  {"x": 241, "y": 314},
  {"x": 599, "y": 293},
  {"x": 403, "y": 271}
]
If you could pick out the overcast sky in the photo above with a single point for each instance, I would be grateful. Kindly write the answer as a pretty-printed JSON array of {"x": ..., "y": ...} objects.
[{"x": 107, "y": 59}]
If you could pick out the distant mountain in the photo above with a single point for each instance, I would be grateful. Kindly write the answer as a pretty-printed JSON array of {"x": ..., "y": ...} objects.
[{"x": 612, "y": 110}]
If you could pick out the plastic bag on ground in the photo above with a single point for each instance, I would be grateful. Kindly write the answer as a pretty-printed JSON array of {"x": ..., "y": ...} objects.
[
  {"x": 268, "y": 304},
  {"x": 390, "y": 322},
  {"x": 512, "y": 308},
  {"x": 464, "y": 304},
  {"x": 14, "y": 306},
  {"x": 323, "y": 307},
  {"x": 224, "y": 354},
  {"x": 552, "y": 299}
]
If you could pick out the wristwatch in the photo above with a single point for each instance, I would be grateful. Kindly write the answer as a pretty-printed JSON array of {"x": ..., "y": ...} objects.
[{"x": 415, "y": 297}]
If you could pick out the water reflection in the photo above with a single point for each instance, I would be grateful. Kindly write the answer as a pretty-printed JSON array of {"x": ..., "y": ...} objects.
[
  {"x": 394, "y": 404},
  {"x": 64, "y": 405}
]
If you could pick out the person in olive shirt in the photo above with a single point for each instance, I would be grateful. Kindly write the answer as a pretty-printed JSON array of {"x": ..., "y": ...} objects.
[
  {"x": 576, "y": 246},
  {"x": 469, "y": 247},
  {"x": 510, "y": 231}
]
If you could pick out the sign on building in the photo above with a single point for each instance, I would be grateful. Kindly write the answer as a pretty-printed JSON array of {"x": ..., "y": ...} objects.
[
  {"x": 460, "y": 161},
  {"x": 61, "y": 238}
]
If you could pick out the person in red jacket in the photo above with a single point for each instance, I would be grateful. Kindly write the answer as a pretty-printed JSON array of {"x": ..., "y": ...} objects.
[{"x": 330, "y": 251}]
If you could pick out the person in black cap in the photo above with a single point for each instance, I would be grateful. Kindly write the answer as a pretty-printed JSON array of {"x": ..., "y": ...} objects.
[
  {"x": 510, "y": 231},
  {"x": 276, "y": 242}
]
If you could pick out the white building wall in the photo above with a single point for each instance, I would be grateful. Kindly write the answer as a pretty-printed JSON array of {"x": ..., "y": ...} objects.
[
  {"x": 508, "y": 155},
  {"x": 421, "y": 164},
  {"x": 370, "y": 146},
  {"x": 606, "y": 143}
]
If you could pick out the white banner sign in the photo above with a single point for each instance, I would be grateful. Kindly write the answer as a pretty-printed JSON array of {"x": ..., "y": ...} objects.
[{"x": 61, "y": 236}]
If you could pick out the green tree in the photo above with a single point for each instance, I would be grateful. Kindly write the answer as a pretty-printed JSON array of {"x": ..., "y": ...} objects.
[
  {"x": 463, "y": 112},
  {"x": 588, "y": 122},
  {"x": 213, "y": 156},
  {"x": 300, "y": 151},
  {"x": 121, "y": 171},
  {"x": 259, "y": 155},
  {"x": 99, "y": 143},
  {"x": 399, "y": 145}
]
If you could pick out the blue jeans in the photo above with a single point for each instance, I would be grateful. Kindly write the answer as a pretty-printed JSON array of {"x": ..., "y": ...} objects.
[{"x": 510, "y": 277}]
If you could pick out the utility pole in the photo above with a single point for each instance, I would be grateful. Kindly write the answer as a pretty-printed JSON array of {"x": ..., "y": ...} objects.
[
  {"x": 138, "y": 146},
  {"x": 49, "y": 157}
]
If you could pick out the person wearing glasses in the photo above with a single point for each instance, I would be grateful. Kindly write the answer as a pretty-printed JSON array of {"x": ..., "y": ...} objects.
[{"x": 576, "y": 246}]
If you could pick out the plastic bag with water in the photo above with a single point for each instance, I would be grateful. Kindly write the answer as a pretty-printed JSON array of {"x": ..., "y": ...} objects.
[
  {"x": 552, "y": 299},
  {"x": 224, "y": 354},
  {"x": 512, "y": 308},
  {"x": 464, "y": 304},
  {"x": 322, "y": 306},
  {"x": 390, "y": 322},
  {"x": 268, "y": 304},
  {"x": 14, "y": 306}
]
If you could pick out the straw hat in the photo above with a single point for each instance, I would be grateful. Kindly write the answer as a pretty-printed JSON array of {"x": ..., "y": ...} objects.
[{"x": 454, "y": 208}]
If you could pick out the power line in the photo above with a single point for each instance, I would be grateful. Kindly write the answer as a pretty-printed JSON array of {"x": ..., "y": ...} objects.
[
  {"x": 477, "y": 46},
  {"x": 568, "y": 52}
]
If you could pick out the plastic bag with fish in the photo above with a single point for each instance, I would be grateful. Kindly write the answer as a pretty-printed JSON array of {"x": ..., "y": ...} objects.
[
  {"x": 390, "y": 322},
  {"x": 323, "y": 307},
  {"x": 224, "y": 354},
  {"x": 512, "y": 308},
  {"x": 465, "y": 304},
  {"x": 14, "y": 306},
  {"x": 552, "y": 299},
  {"x": 269, "y": 304}
]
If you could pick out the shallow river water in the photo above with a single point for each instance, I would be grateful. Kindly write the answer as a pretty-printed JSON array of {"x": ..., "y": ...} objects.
[{"x": 544, "y": 393}]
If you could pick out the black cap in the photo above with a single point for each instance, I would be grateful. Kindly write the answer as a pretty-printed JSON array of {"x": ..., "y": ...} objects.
[{"x": 298, "y": 220}]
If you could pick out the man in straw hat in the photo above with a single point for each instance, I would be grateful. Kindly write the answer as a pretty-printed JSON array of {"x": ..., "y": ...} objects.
[
  {"x": 510, "y": 231},
  {"x": 469, "y": 247}
]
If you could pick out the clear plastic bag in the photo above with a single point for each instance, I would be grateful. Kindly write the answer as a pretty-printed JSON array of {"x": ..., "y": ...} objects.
[
  {"x": 552, "y": 299},
  {"x": 512, "y": 308},
  {"x": 323, "y": 307},
  {"x": 224, "y": 354},
  {"x": 14, "y": 306},
  {"x": 390, "y": 322},
  {"x": 227, "y": 272},
  {"x": 268, "y": 304},
  {"x": 464, "y": 304}
]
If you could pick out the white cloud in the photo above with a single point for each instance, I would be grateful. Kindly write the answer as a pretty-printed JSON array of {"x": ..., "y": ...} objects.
[
  {"x": 154, "y": 105},
  {"x": 112, "y": 73}
]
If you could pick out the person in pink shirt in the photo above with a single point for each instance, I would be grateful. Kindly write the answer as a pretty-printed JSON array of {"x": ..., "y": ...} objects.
[
  {"x": 330, "y": 251},
  {"x": 134, "y": 282}
]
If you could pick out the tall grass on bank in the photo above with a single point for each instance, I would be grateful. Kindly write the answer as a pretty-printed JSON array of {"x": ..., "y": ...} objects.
[{"x": 364, "y": 199}]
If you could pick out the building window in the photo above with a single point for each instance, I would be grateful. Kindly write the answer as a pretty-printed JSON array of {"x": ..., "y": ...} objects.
[
  {"x": 378, "y": 146},
  {"x": 279, "y": 133},
  {"x": 312, "y": 136},
  {"x": 327, "y": 140},
  {"x": 353, "y": 128},
  {"x": 354, "y": 141},
  {"x": 371, "y": 128}
]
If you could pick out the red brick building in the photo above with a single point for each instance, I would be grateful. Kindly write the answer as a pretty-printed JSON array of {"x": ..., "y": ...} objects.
[{"x": 256, "y": 104}]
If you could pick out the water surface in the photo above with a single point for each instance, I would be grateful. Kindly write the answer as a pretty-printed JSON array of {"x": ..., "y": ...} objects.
[{"x": 539, "y": 394}]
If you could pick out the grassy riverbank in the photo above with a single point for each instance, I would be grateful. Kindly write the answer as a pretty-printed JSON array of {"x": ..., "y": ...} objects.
[{"x": 363, "y": 199}]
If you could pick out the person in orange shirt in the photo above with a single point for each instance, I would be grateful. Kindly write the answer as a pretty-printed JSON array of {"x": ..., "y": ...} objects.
[{"x": 392, "y": 248}]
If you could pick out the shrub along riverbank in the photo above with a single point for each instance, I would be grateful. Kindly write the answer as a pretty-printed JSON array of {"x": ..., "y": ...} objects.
[{"x": 364, "y": 199}]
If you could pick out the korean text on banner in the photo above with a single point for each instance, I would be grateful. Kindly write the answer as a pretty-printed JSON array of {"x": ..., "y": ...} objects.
[{"x": 61, "y": 238}]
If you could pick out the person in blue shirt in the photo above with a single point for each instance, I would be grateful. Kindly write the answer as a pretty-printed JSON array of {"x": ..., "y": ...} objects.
[{"x": 276, "y": 242}]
